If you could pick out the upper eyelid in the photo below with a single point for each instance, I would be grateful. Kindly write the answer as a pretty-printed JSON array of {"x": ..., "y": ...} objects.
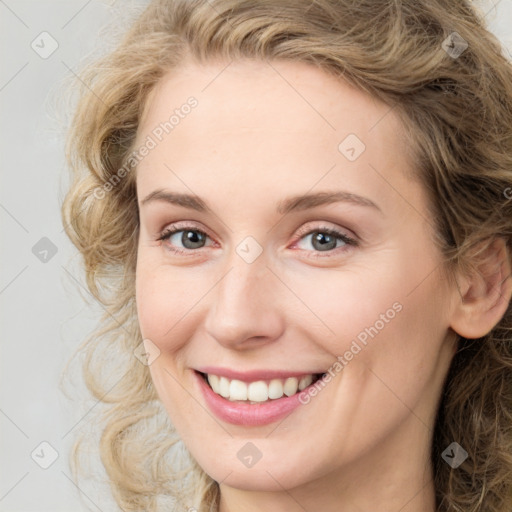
[
  {"x": 301, "y": 233},
  {"x": 176, "y": 226}
]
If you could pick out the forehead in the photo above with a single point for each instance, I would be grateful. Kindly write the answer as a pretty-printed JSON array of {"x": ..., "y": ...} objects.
[
  {"x": 272, "y": 94},
  {"x": 265, "y": 122}
]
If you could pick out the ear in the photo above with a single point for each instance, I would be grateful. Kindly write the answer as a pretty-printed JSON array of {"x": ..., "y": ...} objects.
[{"x": 484, "y": 296}]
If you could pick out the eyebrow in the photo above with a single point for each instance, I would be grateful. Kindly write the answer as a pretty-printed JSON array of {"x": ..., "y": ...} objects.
[{"x": 294, "y": 203}]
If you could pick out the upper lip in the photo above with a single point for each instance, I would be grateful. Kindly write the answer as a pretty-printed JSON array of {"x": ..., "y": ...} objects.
[{"x": 253, "y": 375}]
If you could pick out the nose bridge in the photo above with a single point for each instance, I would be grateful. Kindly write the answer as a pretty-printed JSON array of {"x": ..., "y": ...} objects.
[
  {"x": 244, "y": 303},
  {"x": 243, "y": 283}
]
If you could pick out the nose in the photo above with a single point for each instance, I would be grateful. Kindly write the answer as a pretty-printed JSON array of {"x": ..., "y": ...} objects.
[{"x": 245, "y": 308}]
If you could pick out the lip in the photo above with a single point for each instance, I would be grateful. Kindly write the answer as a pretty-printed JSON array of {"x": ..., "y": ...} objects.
[
  {"x": 246, "y": 414},
  {"x": 254, "y": 375}
]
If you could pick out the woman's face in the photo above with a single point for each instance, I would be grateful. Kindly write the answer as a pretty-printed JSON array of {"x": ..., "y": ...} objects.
[{"x": 281, "y": 238}]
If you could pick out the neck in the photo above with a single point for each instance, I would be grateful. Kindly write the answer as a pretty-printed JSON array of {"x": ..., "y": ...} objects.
[
  {"x": 397, "y": 476},
  {"x": 404, "y": 495}
]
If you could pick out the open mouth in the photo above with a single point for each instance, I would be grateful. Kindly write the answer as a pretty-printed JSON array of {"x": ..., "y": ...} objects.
[{"x": 259, "y": 391}]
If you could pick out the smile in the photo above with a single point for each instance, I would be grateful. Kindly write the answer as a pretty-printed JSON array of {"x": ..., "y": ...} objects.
[
  {"x": 260, "y": 390},
  {"x": 254, "y": 398}
]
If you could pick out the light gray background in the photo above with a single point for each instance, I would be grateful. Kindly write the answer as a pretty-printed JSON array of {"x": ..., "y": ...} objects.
[{"x": 43, "y": 317}]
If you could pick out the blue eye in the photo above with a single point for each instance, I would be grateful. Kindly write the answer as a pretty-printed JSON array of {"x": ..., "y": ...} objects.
[
  {"x": 191, "y": 238},
  {"x": 323, "y": 240},
  {"x": 327, "y": 239},
  {"x": 326, "y": 242}
]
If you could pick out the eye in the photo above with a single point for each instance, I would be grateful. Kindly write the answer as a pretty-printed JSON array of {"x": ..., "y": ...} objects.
[
  {"x": 189, "y": 237},
  {"x": 325, "y": 239},
  {"x": 322, "y": 239}
]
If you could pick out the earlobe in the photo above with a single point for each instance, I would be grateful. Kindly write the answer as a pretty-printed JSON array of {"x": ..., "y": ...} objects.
[{"x": 483, "y": 297}]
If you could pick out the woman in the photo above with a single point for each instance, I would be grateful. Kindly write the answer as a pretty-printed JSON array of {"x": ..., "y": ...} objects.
[{"x": 296, "y": 216}]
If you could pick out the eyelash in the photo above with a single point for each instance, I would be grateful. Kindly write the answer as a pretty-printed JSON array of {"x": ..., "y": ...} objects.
[{"x": 348, "y": 241}]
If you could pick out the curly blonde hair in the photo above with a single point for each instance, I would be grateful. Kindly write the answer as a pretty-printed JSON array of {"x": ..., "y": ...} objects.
[{"x": 457, "y": 110}]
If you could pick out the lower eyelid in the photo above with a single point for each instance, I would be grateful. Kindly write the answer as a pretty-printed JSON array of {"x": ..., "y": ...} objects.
[{"x": 348, "y": 241}]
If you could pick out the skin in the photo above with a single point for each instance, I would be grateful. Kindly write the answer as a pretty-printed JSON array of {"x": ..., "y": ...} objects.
[{"x": 260, "y": 133}]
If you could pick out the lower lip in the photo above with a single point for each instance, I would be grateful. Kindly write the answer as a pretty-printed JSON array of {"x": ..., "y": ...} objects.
[{"x": 247, "y": 414}]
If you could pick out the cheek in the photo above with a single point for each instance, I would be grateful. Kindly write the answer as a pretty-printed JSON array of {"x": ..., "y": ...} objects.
[
  {"x": 341, "y": 304},
  {"x": 392, "y": 321},
  {"x": 165, "y": 298}
]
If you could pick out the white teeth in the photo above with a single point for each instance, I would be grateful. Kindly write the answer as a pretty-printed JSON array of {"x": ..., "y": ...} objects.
[
  {"x": 304, "y": 382},
  {"x": 223, "y": 387},
  {"x": 214, "y": 383},
  {"x": 290, "y": 386},
  {"x": 258, "y": 391},
  {"x": 237, "y": 390},
  {"x": 275, "y": 389}
]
